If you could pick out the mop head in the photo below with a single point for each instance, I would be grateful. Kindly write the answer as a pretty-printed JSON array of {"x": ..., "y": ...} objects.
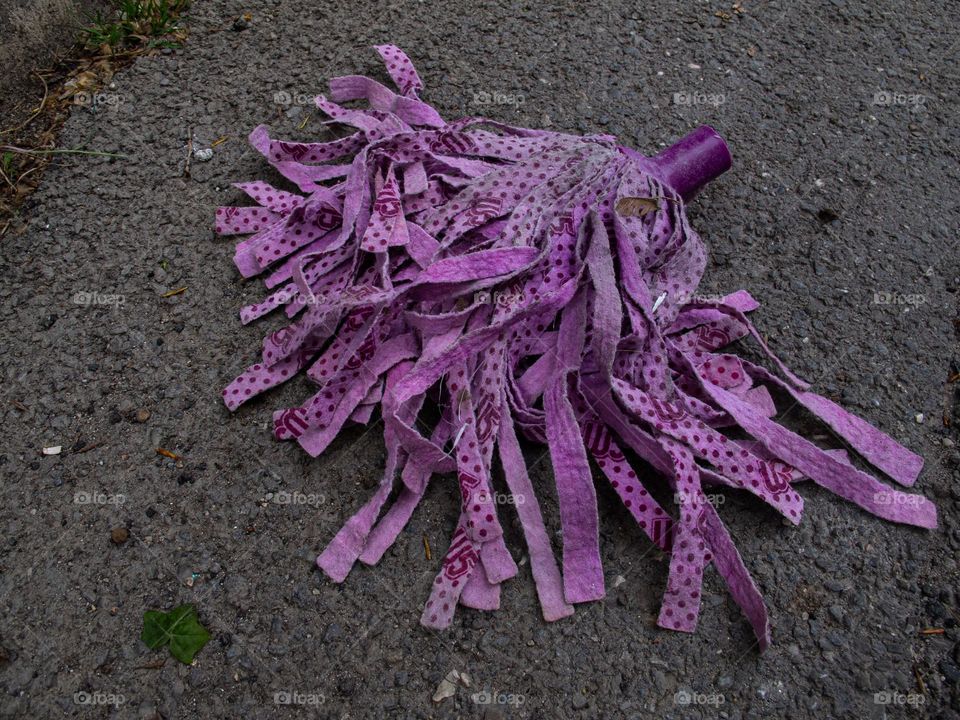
[{"x": 530, "y": 283}]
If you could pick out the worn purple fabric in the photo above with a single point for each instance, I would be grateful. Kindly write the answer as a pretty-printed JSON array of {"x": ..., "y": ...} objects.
[{"x": 490, "y": 269}]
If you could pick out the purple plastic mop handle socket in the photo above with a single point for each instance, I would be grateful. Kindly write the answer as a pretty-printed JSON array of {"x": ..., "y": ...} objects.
[
  {"x": 690, "y": 163},
  {"x": 693, "y": 161}
]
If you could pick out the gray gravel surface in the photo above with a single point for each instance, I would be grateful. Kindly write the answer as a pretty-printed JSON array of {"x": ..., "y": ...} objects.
[{"x": 840, "y": 215}]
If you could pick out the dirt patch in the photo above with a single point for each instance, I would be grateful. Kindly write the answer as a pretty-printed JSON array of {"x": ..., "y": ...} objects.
[
  {"x": 39, "y": 33},
  {"x": 62, "y": 54}
]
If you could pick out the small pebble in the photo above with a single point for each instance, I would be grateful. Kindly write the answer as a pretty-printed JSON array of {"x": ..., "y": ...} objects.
[
  {"x": 447, "y": 687},
  {"x": 118, "y": 536}
]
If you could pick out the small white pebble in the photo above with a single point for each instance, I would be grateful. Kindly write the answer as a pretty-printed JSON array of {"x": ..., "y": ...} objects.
[
  {"x": 55, "y": 450},
  {"x": 203, "y": 154},
  {"x": 919, "y": 418}
]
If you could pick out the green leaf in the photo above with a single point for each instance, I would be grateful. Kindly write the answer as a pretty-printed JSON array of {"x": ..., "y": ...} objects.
[{"x": 180, "y": 629}]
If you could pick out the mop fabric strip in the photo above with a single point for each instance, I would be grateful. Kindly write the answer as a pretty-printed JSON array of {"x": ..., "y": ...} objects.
[{"x": 508, "y": 272}]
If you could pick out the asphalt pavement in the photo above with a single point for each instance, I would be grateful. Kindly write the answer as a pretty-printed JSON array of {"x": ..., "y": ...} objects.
[{"x": 840, "y": 215}]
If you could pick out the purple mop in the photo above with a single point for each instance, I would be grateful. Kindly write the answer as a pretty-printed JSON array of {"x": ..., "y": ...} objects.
[{"x": 532, "y": 281}]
